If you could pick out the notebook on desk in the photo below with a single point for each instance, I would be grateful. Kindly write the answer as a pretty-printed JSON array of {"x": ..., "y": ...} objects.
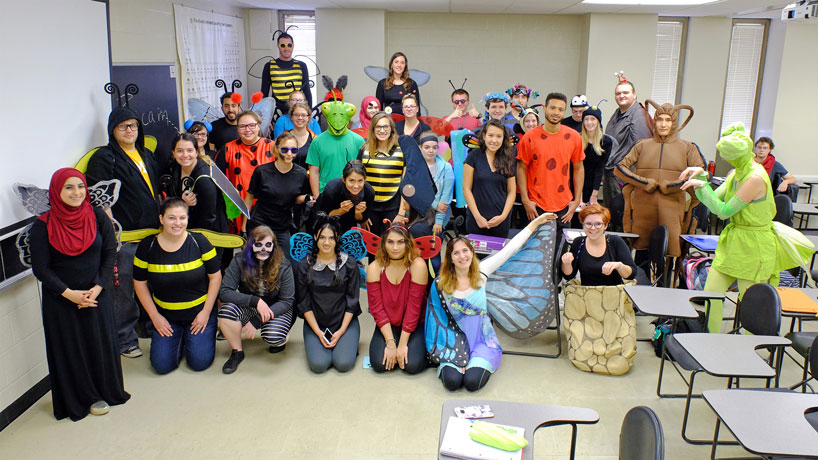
[
  {"x": 795, "y": 300},
  {"x": 457, "y": 443}
]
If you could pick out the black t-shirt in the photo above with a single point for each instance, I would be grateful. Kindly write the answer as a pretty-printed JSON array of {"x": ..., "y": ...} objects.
[
  {"x": 590, "y": 267},
  {"x": 490, "y": 188},
  {"x": 573, "y": 124},
  {"x": 177, "y": 280},
  {"x": 223, "y": 133},
  {"x": 335, "y": 192},
  {"x": 275, "y": 194},
  {"x": 594, "y": 166}
]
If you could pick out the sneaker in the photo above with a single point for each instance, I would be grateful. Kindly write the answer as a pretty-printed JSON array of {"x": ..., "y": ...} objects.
[
  {"x": 132, "y": 352},
  {"x": 277, "y": 349},
  {"x": 233, "y": 361},
  {"x": 100, "y": 408}
]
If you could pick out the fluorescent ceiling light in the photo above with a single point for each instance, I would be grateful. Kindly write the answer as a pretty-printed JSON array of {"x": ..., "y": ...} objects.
[{"x": 649, "y": 2}]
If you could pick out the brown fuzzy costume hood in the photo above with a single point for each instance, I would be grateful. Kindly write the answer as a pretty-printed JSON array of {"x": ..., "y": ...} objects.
[{"x": 673, "y": 111}]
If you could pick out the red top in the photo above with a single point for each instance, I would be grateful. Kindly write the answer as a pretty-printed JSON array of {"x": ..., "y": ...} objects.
[
  {"x": 548, "y": 159},
  {"x": 399, "y": 304}
]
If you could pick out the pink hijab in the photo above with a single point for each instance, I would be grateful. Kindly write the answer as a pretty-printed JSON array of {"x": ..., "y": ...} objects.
[{"x": 362, "y": 116}]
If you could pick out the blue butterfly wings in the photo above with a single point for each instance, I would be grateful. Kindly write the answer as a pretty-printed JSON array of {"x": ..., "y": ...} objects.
[
  {"x": 521, "y": 295},
  {"x": 351, "y": 242},
  {"x": 444, "y": 340}
]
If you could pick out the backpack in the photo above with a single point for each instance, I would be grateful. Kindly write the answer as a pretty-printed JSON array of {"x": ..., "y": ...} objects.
[
  {"x": 684, "y": 325},
  {"x": 696, "y": 270}
]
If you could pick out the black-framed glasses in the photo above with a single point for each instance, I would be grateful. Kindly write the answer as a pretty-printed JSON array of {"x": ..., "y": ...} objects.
[
  {"x": 259, "y": 245},
  {"x": 129, "y": 126},
  {"x": 382, "y": 128},
  {"x": 292, "y": 150},
  {"x": 248, "y": 126}
]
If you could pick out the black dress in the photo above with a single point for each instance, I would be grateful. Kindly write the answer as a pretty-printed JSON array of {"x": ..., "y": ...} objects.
[
  {"x": 490, "y": 191},
  {"x": 209, "y": 212},
  {"x": 393, "y": 97},
  {"x": 81, "y": 345}
]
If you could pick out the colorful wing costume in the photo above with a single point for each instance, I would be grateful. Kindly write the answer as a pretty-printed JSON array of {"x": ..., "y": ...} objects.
[
  {"x": 445, "y": 342},
  {"x": 521, "y": 296},
  {"x": 351, "y": 242}
]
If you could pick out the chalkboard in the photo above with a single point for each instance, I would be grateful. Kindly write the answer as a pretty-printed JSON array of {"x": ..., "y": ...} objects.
[{"x": 156, "y": 102}]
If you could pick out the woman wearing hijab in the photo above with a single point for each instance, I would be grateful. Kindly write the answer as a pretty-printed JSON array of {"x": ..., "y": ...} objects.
[
  {"x": 73, "y": 249},
  {"x": 369, "y": 107}
]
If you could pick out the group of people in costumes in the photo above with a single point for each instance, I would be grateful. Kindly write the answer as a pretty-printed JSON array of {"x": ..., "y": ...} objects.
[{"x": 89, "y": 314}]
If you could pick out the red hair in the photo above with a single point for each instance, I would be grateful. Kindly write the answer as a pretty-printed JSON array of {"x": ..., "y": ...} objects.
[{"x": 595, "y": 209}]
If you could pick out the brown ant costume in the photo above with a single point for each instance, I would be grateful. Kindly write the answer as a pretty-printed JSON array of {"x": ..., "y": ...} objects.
[{"x": 652, "y": 191}]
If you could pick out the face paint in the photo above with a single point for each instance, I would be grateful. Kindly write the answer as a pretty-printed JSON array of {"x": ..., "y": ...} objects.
[{"x": 262, "y": 249}]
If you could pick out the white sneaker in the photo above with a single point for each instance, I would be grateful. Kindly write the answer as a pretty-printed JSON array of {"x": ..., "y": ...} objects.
[{"x": 100, "y": 408}]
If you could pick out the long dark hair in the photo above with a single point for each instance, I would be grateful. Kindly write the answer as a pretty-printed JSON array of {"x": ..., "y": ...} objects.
[
  {"x": 407, "y": 82},
  {"x": 323, "y": 221},
  {"x": 503, "y": 159},
  {"x": 261, "y": 276}
]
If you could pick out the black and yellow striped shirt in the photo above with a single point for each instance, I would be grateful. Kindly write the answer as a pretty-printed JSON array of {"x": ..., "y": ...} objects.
[
  {"x": 384, "y": 172},
  {"x": 279, "y": 77},
  {"x": 177, "y": 280}
]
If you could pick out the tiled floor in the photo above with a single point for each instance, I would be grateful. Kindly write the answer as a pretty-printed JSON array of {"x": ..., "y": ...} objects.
[{"x": 274, "y": 407}]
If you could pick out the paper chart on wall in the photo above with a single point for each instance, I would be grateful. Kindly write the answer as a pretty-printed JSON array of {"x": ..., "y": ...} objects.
[{"x": 210, "y": 47}]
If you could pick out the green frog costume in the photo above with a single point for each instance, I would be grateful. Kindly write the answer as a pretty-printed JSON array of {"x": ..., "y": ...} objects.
[{"x": 752, "y": 248}]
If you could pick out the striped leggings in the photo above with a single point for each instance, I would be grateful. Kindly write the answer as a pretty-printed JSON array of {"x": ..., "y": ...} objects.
[{"x": 273, "y": 332}]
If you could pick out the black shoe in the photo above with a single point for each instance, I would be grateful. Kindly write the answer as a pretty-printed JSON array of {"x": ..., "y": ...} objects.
[
  {"x": 233, "y": 361},
  {"x": 277, "y": 349},
  {"x": 219, "y": 335}
]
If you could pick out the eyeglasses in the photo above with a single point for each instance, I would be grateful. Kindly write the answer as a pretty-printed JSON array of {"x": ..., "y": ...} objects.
[
  {"x": 383, "y": 128},
  {"x": 292, "y": 150},
  {"x": 129, "y": 126},
  {"x": 259, "y": 245},
  {"x": 593, "y": 224},
  {"x": 200, "y": 134},
  {"x": 409, "y": 107},
  {"x": 285, "y": 45},
  {"x": 248, "y": 126},
  {"x": 301, "y": 115},
  {"x": 459, "y": 101}
]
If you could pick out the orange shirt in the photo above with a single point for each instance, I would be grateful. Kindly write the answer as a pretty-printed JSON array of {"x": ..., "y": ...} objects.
[
  {"x": 243, "y": 159},
  {"x": 548, "y": 159}
]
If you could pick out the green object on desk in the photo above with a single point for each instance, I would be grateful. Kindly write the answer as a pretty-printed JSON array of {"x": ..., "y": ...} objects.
[{"x": 496, "y": 436}]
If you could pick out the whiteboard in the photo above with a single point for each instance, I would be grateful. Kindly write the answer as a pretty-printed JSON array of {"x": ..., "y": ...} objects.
[{"x": 56, "y": 63}]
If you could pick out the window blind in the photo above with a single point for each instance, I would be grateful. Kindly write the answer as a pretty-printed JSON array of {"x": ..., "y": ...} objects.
[
  {"x": 666, "y": 65},
  {"x": 742, "y": 74},
  {"x": 303, "y": 36}
]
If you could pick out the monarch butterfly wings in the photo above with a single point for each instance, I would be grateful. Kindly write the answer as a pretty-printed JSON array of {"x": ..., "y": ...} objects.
[
  {"x": 445, "y": 342},
  {"x": 521, "y": 294}
]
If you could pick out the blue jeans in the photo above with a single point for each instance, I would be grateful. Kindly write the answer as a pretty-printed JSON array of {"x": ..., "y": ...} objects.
[
  {"x": 199, "y": 350},
  {"x": 342, "y": 356}
]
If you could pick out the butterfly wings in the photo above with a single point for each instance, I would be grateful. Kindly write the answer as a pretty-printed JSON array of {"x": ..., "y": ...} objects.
[
  {"x": 352, "y": 243},
  {"x": 102, "y": 195},
  {"x": 201, "y": 111},
  {"x": 427, "y": 246},
  {"x": 521, "y": 294},
  {"x": 445, "y": 342}
]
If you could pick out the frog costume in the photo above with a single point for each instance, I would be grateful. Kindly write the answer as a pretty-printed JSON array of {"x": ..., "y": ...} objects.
[{"x": 752, "y": 248}]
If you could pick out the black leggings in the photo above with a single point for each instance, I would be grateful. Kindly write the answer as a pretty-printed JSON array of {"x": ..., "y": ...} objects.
[
  {"x": 416, "y": 355},
  {"x": 474, "y": 379}
]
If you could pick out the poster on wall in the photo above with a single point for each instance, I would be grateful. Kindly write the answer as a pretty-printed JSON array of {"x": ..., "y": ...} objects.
[{"x": 210, "y": 47}]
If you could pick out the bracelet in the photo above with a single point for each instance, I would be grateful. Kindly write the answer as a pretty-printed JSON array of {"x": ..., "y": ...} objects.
[{"x": 396, "y": 342}]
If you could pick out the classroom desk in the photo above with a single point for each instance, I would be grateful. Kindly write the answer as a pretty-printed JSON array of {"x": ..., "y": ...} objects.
[
  {"x": 810, "y": 184},
  {"x": 675, "y": 303},
  {"x": 736, "y": 356},
  {"x": 528, "y": 416},
  {"x": 804, "y": 210},
  {"x": 704, "y": 243},
  {"x": 766, "y": 423}
]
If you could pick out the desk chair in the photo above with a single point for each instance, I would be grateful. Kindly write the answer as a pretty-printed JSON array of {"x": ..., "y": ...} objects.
[
  {"x": 641, "y": 436},
  {"x": 783, "y": 209},
  {"x": 812, "y": 417},
  {"x": 759, "y": 313}
]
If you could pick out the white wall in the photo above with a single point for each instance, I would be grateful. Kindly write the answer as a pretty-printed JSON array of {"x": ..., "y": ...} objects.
[
  {"x": 708, "y": 50},
  {"x": 259, "y": 26},
  {"x": 619, "y": 42},
  {"x": 494, "y": 51},
  {"x": 346, "y": 42},
  {"x": 795, "y": 115},
  {"x": 22, "y": 344}
]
